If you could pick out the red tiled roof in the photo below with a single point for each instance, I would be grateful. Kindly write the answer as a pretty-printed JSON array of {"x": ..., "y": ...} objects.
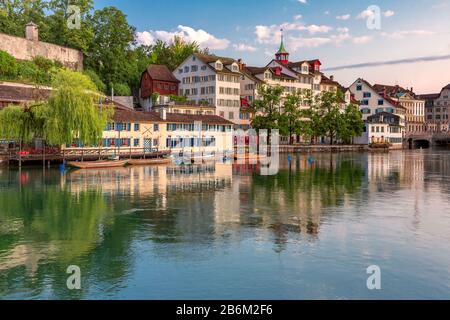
[
  {"x": 161, "y": 73},
  {"x": 191, "y": 118}
]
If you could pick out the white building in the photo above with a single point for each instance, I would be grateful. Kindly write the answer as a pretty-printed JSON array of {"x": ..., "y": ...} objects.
[
  {"x": 384, "y": 117},
  {"x": 213, "y": 80}
]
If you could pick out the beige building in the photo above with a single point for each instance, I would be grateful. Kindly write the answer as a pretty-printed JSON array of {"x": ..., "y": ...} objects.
[
  {"x": 415, "y": 107},
  {"x": 437, "y": 109}
]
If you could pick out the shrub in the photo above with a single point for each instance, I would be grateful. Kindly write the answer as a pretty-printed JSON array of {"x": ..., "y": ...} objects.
[
  {"x": 27, "y": 71},
  {"x": 121, "y": 89},
  {"x": 8, "y": 65}
]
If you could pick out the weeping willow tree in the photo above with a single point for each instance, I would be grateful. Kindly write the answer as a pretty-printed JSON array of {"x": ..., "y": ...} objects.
[{"x": 70, "y": 113}]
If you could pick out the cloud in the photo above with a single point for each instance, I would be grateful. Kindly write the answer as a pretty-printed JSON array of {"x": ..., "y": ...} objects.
[
  {"x": 388, "y": 13},
  {"x": 303, "y": 1},
  {"x": 362, "y": 40},
  {"x": 271, "y": 34},
  {"x": 242, "y": 47},
  {"x": 406, "y": 33},
  {"x": 365, "y": 14},
  {"x": 298, "y": 17},
  {"x": 203, "y": 38},
  {"x": 327, "y": 13},
  {"x": 390, "y": 62},
  {"x": 343, "y": 17}
]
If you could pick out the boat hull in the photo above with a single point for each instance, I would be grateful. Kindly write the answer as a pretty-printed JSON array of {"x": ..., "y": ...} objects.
[{"x": 98, "y": 164}]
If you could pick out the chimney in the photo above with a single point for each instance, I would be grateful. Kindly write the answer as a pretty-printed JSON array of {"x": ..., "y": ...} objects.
[
  {"x": 332, "y": 78},
  {"x": 32, "y": 32},
  {"x": 242, "y": 65}
]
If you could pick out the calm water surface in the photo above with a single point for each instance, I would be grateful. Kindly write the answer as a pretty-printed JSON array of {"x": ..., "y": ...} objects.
[{"x": 225, "y": 232}]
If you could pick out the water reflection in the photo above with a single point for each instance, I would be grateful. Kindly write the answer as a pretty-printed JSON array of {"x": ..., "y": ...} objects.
[{"x": 110, "y": 221}]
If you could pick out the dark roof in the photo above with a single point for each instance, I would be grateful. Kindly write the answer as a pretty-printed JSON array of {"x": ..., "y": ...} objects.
[
  {"x": 326, "y": 80},
  {"x": 191, "y": 118},
  {"x": 125, "y": 115},
  {"x": 430, "y": 96},
  {"x": 16, "y": 93},
  {"x": 208, "y": 59},
  {"x": 446, "y": 87},
  {"x": 161, "y": 73}
]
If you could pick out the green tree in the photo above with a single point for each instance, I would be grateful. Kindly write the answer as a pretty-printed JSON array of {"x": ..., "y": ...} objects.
[
  {"x": 353, "y": 124},
  {"x": 110, "y": 54},
  {"x": 293, "y": 118},
  {"x": 327, "y": 116},
  {"x": 267, "y": 108},
  {"x": 8, "y": 66},
  {"x": 174, "y": 53}
]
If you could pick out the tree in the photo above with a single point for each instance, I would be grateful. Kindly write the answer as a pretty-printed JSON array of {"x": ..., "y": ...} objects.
[
  {"x": 293, "y": 118},
  {"x": 326, "y": 114},
  {"x": 70, "y": 113},
  {"x": 110, "y": 54},
  {"x": 353, "y": 124},
  {"x": 73, "y": 112},
  {"x": 174, "y": 53},
  {"x": 267, "y": 107},
  {"x": 60, "y": 19}
]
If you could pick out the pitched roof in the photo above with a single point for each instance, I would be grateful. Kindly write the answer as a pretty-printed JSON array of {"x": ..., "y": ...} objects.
[
  {"x": 125, "y": 115},
  {"x": 393, "y": 91},
  {"x": 17, "y": 92},
  {"x": 161, "y": 73},
  {"x": 326, "y": 80},
  {"x": 430, "y": 96},
  {"x": 209, "y": 58},
  {"x": 191, "y": 118}
]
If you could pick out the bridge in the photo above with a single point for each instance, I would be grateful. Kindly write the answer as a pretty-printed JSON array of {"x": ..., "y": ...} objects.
[{"x": 427, "y": 140}]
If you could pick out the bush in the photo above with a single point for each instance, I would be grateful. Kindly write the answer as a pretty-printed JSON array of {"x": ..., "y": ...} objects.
[
  {"x": 8, "y": 65},
  {"x": 27, "y": 71},
  {"x": 121, "y": 89},
  {"x": 96, "y": 80}
]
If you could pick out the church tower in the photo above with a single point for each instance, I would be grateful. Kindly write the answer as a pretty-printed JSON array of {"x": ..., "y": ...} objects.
[{"x": 282, "y": 55}]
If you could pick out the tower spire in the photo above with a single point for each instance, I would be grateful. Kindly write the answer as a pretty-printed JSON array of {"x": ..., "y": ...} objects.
[{"x": 282, "y": 55}]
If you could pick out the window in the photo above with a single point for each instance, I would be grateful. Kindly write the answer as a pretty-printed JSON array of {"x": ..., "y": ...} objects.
[
  {"x": 194, "y": 68},
  {"x": 186, "y": 69},
  {"x": 231, "y": 115},
  {"x": 156, "y": 127},
  {"x": 379, "y": 110},
  {"x": 381, "y": 102},
  {"x": 365, "y": 102},
  {"x": 203, "y": 68},
  {"x": 359, "y": 87},
  {"x": 136, "y": 127},
  {"x": 136, "y": 142},
  {"x": 366, "y": 111},
  {"x": 180, "y": 70},
  {"x": 367, "y": 95}
]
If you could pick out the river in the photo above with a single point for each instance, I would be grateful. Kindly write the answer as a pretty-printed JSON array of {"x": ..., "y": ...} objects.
[{"x": 223, "y": 231}]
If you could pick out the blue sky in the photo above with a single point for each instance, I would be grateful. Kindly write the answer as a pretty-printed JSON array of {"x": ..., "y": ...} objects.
[{"x": 336, "y": 32}]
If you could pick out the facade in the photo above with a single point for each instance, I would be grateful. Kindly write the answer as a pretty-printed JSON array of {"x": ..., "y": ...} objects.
[
  {"x": 371, "y": 104},
  {"x": 145, "y": 132},
  {"x": 385, "y": 127},
  {"x": 157, "y": 85},
  {"x": 415, "y": 107},
  {"x": 212, "y": 80},
  {"x": 184, "y": 108},
  {"x": 30, "y": 47},
  {"x": 430, "y": 116}
]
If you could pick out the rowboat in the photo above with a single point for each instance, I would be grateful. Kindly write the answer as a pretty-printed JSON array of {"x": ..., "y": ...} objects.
[
  {"x": 98, "y": 164},
  {"x": 149, "y": 162}
]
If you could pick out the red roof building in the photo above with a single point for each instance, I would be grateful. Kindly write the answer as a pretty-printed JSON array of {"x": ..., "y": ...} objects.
[{"x": 158, "y": 79}]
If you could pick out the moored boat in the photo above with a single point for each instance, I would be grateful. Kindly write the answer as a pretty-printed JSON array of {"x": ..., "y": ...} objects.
[{"x": 97, "y": 164}]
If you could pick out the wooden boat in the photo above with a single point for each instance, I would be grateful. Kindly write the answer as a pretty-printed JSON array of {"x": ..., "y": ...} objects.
[
  {"x": 149, "y": 162},
  {"x": 98, "y": 164}
]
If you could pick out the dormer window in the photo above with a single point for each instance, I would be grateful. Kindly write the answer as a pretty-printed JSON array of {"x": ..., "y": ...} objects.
[
  {"x": 234, "y": 67},
  {"x": 219, "y": 65},
  {"x": 267, "y": 75}
]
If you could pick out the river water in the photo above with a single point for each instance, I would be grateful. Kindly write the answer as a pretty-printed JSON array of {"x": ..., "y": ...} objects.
[{"x": 223, "y": 231}]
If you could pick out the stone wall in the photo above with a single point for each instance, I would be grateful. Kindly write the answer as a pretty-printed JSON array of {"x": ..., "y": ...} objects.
[{"x": 23, "y": 49}]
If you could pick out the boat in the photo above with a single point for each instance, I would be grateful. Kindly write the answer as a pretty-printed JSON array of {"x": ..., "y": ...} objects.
[
  {"x": 249, "y": 157},
  {"x": 149, "y": 162},
  {"x": 97, "y": 164}
]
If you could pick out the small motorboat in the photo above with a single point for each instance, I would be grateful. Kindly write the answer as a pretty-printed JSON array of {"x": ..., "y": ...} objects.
[
  {"x": 149, "y": 162},
  {"x": 97, "y": 164}
]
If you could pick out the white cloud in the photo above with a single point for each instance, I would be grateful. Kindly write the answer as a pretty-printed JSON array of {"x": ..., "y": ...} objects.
[
  {"x": 326, "y": 12},
  {"x": 242, "y": 47},
  {"x": 405, "y": 33},
  {"x": 362, "y": 40},
  {"x": 298, "y": 17},
  {"x": 271, "y": 34},
  {"x": 303, "y": 1},
  {"x": 343, "y": 30},
  {"x": 365, "y": 14},
  {"x": 388, "y": 13},
  {"x": 343, "y": 17},
  {"x": 203, "y": 38}
]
